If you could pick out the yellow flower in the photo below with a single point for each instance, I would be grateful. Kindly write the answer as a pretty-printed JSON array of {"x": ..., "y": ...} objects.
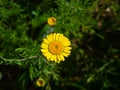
[
  {"x": 40, "y": 82},
  {"x": 51, "y": 21},
  {"x": 55, "y": 47}
]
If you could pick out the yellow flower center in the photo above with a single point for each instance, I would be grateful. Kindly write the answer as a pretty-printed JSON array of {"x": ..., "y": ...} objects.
[
  {"x": 40, "y": 82},
  {"x": 55, "y": 47}
]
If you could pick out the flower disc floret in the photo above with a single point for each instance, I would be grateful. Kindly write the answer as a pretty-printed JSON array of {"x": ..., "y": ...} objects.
[{"x": 55, "y": 47}]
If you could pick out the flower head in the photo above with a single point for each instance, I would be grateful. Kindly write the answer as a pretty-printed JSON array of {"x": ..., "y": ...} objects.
[
  {"x": 40, "y": 82},
  {"x": 51, "y": 21},
  {"x": 55, "y": 47}
]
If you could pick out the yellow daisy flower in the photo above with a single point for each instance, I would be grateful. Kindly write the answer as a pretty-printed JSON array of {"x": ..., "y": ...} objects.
[
  {"x": 55, "y": 47},
  {"x": 51, "y": 21},
  {"x": 40, "y": 82}
]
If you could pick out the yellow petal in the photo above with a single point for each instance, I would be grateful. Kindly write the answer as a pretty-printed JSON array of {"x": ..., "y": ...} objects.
[
  {"x": 50, "y": 38},
  {"x": 44, "y": 45},
  {"x": 65, "y": 54},
  {"x": 46, "y": 41},
  {"x": 67, "y": 51},
  {"x": 60, "y": 57},
  {"x": 57, "y": 36},
  {"x": 67, "y": 48},
  {"x": 44, "y": 50},
  {"x": 48, "y": 55},
  {"x": 53, "y": 58},
  {"x": 54, "y": 36},
  {"x": 65, "y": 41},
  {"x": 61, "y": 37}
]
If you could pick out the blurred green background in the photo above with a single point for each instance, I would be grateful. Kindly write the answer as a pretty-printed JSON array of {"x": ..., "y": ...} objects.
[{"x": 93, "y": 27}]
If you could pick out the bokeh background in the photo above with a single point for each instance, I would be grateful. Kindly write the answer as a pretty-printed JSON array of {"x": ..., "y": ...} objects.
[{"x": 92, "y": 26}]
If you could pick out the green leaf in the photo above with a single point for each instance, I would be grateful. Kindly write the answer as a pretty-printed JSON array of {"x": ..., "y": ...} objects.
[
  {"x": 31, "y": 72},
  {"x": 48, "y": 87}
]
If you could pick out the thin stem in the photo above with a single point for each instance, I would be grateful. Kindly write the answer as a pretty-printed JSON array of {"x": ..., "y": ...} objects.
[{"x": 24, "y": 59}]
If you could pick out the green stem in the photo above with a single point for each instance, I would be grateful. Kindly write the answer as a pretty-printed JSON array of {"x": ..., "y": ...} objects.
[{"x": 24, "y": 59}]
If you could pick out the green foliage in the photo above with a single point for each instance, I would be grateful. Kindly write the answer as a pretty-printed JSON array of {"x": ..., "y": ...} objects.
[{"x": 93, "y": 27}]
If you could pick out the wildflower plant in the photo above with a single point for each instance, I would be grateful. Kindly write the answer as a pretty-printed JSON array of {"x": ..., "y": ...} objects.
[
  {"x": 53, "y": 44},
  {"x": 54, "y": 48}
]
